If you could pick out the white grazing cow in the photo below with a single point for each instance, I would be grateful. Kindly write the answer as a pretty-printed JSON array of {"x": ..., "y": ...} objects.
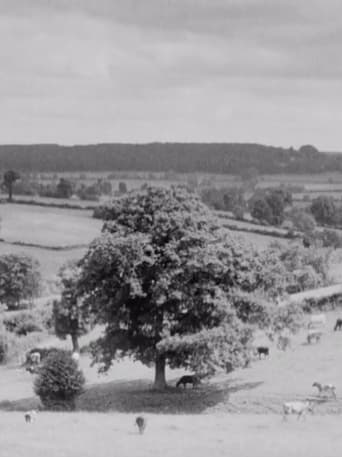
[
  {"x": 317, "y": 321},
  {"x": 297, "y": 407}
]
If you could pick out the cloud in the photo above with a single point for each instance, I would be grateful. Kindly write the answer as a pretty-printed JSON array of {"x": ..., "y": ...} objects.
[{"x": 194, "y": 70}]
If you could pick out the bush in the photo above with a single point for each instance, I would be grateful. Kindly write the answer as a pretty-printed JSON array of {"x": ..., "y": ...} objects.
[
  {"x": 59, "y": 381},
  {"x": 3, "y": 348},
  {"x": 22, "y": 322}
]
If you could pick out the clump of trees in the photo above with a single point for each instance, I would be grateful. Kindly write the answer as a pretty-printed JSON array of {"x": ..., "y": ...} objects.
[
  {"x": 167, "y": 282},
  {"x": 268, "y": 206},
  {"x": 225, "y": 199},
  {"x": 20, "y": 280}
]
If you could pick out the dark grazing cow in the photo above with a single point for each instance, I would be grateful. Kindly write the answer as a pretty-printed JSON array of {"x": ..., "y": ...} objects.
[
  {"x": 141, "y": 423},
  {"x": 338, "y": 325},
  {"x": 263, "y": 350},
  {"x": 189, "y": 379}
]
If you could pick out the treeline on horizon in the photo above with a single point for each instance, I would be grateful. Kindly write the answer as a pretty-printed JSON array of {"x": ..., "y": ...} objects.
[{"x": 229, "y": 158}]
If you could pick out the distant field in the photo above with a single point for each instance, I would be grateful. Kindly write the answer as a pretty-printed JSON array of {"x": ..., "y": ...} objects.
[
  {"x": 50, "y": 261},
  {"x": 47, "y": 226}
]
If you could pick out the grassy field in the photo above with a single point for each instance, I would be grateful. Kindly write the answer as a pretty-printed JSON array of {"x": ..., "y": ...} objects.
[
  {"x": 236, "y": 414},
  {"x": 100, "y": 435},
  {"x": 47, "y": 226}
]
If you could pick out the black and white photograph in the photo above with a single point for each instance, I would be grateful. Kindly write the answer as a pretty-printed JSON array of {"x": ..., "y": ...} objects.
[{"x": 170, "y": 228}]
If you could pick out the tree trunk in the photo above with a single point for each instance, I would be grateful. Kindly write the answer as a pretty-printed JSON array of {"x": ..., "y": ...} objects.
[
  {"x": 10, "y": 192},
  {"x": 75, "y": 344},
  {"x": 159, "y": 378}
]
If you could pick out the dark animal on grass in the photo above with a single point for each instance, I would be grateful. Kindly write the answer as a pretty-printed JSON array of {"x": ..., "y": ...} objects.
[
  {"x": 30, "y": 416},
  {"x": 338, "y": 325},
  {"x": 263, "y": 350},
  {"x": 141, "y": 423},
  {"x": 190, "y": 379}
]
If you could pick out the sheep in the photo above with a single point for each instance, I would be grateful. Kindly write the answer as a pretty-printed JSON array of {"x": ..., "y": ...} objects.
[
  {"x": 190, "y": 379},
  {"x": 30, "y": 416},
  {"x": 317, "y": 320},
  {"x": 297, "y": 407},
  {"x": 263, "y": 350},
  {"x": 325, "y": 389},
  {"x": 35, "y": 358},
  {"x": 141, "y": 423},
  {"x": 338, "y": 325},
  {"x": 76, "y": 356}
]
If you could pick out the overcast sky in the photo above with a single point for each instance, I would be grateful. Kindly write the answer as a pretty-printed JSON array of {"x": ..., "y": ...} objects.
[{"x": 86, "y": 71}]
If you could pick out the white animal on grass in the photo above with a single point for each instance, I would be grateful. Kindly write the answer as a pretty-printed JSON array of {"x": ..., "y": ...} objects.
[
  {"x": 297, "y": 407},
  {"x": 325, "y": 389},
  {"x": 30, "y": 416},
  {"x": 35, "y": 358},
  {"x": 317, "y": 320},
  {"x": 76, "y": 356}
]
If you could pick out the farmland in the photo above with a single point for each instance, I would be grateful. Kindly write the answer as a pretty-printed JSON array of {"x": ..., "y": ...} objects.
[{"x": 238, "y": 411}]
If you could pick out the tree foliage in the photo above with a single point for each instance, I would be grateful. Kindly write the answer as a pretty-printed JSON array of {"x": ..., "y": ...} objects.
[
  {"x": 20, "y": 279},
  {"x": 269, "y": 205},
  {"x": 67, "y": 316},
  {"x": 162, "y": 280},
  {"x": 323, "y": 209},
  {"x": 59, "y": 381}
]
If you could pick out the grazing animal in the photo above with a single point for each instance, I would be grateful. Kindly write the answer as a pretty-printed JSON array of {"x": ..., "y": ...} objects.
[
  {"x": 317, "y": 320},
  {"x": 297, "y": 407},
  {"x": 76, "y": 356},
  {"x": 314, "y": 336},
  {"x": 338, "y": 325},
  {"x": 30, "y": 416},
  {"x": 263, "y": 350},
  {"x": 141, "y": 423},
  {"x": 190, "y": 379},
  {"x": 35, "y": 358},
  {"x": 325, "y": 389}
]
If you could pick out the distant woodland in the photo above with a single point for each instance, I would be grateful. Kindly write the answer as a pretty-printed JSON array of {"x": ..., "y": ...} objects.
[{"x": 230, "y": 158}]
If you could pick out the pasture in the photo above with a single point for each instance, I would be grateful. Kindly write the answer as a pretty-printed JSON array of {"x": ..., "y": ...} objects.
[
  {"x": 236, "y": 414},
  {"x": 100, "y": 435},
  {"x": 47, "y": 227}
]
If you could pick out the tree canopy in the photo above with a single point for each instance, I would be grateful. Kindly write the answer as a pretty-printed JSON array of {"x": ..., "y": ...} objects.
[{"x": 166, "y": 281}]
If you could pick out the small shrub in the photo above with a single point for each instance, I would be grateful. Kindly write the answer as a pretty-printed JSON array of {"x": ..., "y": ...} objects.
[
  {"x": 22, "y": 323},
  {"x": 59, "y": 381}
]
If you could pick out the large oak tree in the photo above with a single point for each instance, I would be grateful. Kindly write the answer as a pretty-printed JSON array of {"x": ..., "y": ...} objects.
[{"x": 164, "y": 279}]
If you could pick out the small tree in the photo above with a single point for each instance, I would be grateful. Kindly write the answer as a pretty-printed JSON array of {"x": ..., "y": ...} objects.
[
  {"x": 323, "y": 210},
  {"x": 20, "y": 279},
  {"x": 67, "y": 317},
  {"x": 10, "y": 177},
  {"x": 59, "y": 381},
  {"x": 64, "y": 188}
]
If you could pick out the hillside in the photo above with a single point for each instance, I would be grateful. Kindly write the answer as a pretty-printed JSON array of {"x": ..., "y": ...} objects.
[{"x": 232, "y": 158}]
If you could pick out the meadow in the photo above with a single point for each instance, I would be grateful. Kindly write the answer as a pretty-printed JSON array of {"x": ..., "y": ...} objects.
[
  {"x": 234, "y": 414},
  {"x": 89, "y": 435}
]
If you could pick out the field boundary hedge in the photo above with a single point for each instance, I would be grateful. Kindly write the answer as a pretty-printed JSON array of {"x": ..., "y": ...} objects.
[
  {"x": 42, "y": 246},
  {"x": 49, "y": 204}
]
